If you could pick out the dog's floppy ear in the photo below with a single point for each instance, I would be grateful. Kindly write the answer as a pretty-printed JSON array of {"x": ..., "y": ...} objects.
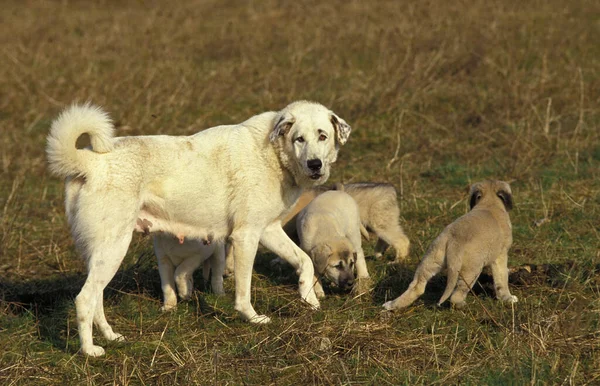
[
  {"x": 282, "y": 126},
  {"x": 342, "y": 129},
  {"x": 320, "y": 257},
  {"x": 506, "y": 198},
  {"x": 475, "y": 195}
]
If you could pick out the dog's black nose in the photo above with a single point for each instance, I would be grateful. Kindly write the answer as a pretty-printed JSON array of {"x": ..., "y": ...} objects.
[
  {"x": 314, "y": 164},
  {"x": 347, "y": 284}
]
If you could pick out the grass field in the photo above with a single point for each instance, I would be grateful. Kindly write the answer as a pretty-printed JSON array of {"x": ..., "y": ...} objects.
[{"x": 439, "y": 95}]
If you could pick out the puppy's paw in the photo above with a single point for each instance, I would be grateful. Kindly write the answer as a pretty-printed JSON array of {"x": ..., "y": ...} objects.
[
  {"x": 260, "y": 319},
  {"x": 458, "y": 305},
  {"x": 362, "y": 286},
  {"x": 389, "y": 305},
  {"x": 167, "y": 307},
  {"x": 320, "y": 293},
  {"x": 93, "y": 351},
  {"x": 510, "y": 299}
]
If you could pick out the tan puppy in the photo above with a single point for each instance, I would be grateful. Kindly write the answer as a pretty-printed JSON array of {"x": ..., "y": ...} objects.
[
  {"x": 329, "y": 232},
  {"x": 478, "y": 239},
  {"x": 379, "y": 213},
  {"x": 177, "y": 261},
  {"x": 378, "y": 210}
]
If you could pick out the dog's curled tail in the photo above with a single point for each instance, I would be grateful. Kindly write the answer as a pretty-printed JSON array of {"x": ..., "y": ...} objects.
[{"x": 63, "y": 156}]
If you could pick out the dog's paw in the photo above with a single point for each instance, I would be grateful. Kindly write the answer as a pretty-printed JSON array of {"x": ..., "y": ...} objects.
[
  {"x": 458, "y": 305},
  {"x": 260, "y": 319},
  {"x": 115, "y": 337},
  {"x": 167, "y": 307},
  {"x": 511, "y": 299},
  {"x": 362, "y": 286},
  {"x": 389, "y": 305},
  {"x": 320, "y": 293},
  {"x": 312, "y": 301},
  {"x": 93, "y": 351}
]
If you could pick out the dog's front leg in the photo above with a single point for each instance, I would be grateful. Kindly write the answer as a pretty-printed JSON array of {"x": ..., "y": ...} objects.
[
  {"x": 363, "y": 283},
  {"x": 245, "y": 243},
  {"x": 275, "y": 239}
]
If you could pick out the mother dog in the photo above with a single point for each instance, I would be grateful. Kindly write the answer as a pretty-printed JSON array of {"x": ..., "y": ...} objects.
[{"x": 232, "y": 181}]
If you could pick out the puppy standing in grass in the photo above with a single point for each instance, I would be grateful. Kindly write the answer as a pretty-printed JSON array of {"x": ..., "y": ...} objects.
[
  {"x": 177, "y": 261},
  {"x": 378, "y": 209},
  {"x": 478, "y": 239},
  {"x": 329, "y": 230},
  {"x": 231, "y": 182}
]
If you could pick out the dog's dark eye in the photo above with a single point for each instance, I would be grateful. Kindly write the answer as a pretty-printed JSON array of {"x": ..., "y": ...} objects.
[
  {"x": 299, "y": 140},
  {"x": 340, "y": 265},
  {"x": 322, "y": 137}
]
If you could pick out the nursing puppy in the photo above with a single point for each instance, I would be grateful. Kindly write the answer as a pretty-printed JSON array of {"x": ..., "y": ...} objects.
[
  {"x": 329, "y": 231},
  {"x": 177, "y": 261},
  {"x": 478, "y": 239},
  {"x": 230, "y": 182}
]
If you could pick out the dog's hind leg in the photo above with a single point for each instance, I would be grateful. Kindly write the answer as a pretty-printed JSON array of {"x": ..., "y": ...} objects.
[
  {"x": 276, "y": 240},
  {"x": 500, "y": 275},
  {"x": 380, "y": 248},
  {"x": 466, "y": 280},
  {"x": 245, "y": 243},
  {"x": 425, "y": 271},
  {"x": 184, "y": 276},
  {"x": 394, "y": 236},
  {"x": 103, "y": 263},
  {"x": 217, "y": 263},
  {"x": 167, "y": 280}
]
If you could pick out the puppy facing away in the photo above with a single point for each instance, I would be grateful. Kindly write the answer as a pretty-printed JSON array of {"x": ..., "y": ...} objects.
[
  {"x": 478, "y": 239},
  {"x": 379, "y": 213},
  {"x": 177, "y": 261},
  {"x": 329, "y": 231},
  {"x": 230, "y": 182}
]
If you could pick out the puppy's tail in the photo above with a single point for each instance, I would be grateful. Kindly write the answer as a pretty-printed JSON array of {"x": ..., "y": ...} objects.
[{"x": 63, "y": 156}]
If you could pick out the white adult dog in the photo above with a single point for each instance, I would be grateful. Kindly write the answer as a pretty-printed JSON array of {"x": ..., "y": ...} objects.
[
  {"x": 177, "y": 261},
  {"x": 232, "y": 182}
]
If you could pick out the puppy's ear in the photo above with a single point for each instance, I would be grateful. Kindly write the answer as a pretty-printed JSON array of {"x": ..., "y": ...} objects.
[
  {"x": 320, "y": 257},
  {"x": 475, "y": 195},
  {"x": 342, "y": 129},
  {"x": 282, "y": 126},
  {"x": 506, "y": 198}
]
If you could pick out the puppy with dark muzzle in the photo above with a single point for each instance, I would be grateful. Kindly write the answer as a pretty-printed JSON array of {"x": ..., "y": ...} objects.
[
  {"x": 478, "y": 239},
  {"x": 329, "y": 229}
]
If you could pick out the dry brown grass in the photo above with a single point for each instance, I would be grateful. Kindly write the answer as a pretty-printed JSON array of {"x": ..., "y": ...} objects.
[{"x": 439, "y": 94}]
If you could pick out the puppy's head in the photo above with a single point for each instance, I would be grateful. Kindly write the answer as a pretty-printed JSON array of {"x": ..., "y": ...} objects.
[
  {"x": 335, "y": 260},
  {"x": 491, "y": 190},
  {"x": 308, "y": 136}
]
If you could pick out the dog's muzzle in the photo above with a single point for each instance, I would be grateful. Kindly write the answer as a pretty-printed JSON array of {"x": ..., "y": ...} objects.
[{"x": 314, "y": 165}]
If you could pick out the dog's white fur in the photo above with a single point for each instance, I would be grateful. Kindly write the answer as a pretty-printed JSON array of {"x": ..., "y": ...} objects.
[
  {"x": 229, "y": 182},
  {"x": 478, "y": 239},
  {"x": 177, "y": 261},
  {"x": 329, "y": 231}
]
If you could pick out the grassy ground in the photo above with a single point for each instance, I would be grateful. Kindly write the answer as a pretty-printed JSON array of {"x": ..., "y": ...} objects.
[{"x": 440, "y": 94}]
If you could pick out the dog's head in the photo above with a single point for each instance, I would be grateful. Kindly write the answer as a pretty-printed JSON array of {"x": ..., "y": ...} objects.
[
  {"x": 308, "y": 137},
  {"x": 491, "y": 190},
  {"x": 335, "y": 260}
]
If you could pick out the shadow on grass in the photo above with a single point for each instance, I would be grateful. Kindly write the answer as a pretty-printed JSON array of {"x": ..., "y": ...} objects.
[
  {"x": 556, "y": 275},
  {"x": 50, "y": 301}
]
